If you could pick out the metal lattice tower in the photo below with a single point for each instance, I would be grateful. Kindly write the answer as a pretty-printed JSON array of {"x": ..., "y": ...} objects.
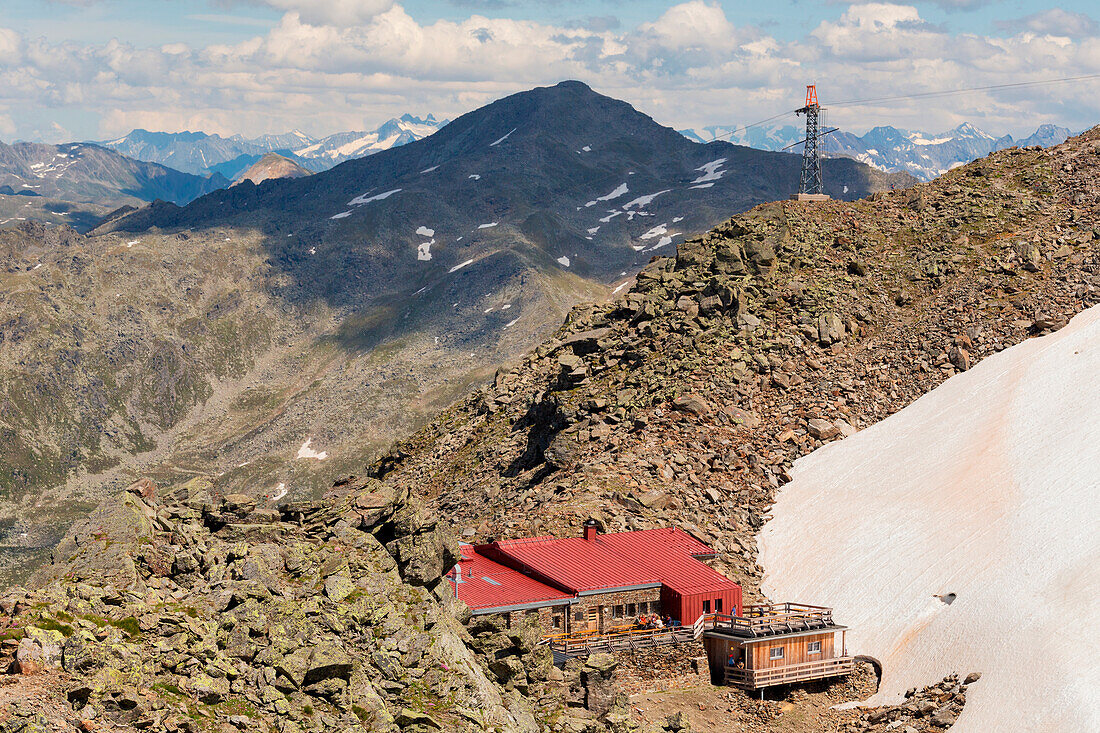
[{"x": 810, "y": 182}]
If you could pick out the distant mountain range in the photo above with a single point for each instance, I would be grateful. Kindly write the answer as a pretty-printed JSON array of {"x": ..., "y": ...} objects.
[
  {"x": 76, "y": 183},
  {"x": 920, "y": 154},
  {"x": 203, "y": 154}
]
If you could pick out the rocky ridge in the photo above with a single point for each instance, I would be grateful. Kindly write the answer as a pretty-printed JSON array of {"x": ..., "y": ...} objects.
[{"x": 686, "y": 400}]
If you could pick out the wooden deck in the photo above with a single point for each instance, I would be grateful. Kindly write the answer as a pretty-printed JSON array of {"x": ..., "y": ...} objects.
[
  {"x": 771, "y": 619},
  {"x": 754, "y": 679},
  {"x": 625, "y": 638}
]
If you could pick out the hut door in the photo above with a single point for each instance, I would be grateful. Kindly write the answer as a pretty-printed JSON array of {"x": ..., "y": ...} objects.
[{"x": 594, "y": 619}]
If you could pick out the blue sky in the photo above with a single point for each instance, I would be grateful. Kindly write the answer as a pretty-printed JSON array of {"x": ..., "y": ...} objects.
[{"x": 93, "y": 69}]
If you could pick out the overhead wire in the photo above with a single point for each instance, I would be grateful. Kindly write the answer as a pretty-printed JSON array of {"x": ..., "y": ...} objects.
[
  {"x": 968, "y": 90},
  {"x": 917, "y": 95}
]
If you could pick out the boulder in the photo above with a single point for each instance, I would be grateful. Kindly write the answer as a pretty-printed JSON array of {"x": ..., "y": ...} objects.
[
  {"x": 693, "y": 404},
  {"x": 822, "y": 429},
  {"x": 945, "y": 717},
  {"x": 598, "y": 680},
  {"x": 328, "y": 661},
  {"x": 209, "y": 690},
  {"x": 830, "y": 329},
  {"x": 39, "y": 650},
  {"x": 143, "y": 487},
  {"x": 338, "y": 587},
  {"x": 408, "y": 718}
]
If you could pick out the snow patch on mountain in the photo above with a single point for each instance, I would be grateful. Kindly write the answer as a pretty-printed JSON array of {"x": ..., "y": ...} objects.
[
  {"x": 306, "y": 451},
  {"x": 616, "y": 193},
  {"x": 711, "y": 171},
  {"x": 364, "y": 199},
  {"x": 644, "y": 200},
  {"x": 983, "y": 488},
  {"x": 500, "y": 140}
]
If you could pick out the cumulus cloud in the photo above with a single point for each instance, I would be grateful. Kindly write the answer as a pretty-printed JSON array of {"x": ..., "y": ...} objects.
[
  {"x": 1054, "y": 22},
  {"x": 690, "y": 66},
  {"x": 337, "y": 12}
]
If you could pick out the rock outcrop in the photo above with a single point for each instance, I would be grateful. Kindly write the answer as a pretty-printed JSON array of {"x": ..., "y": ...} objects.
[{"x": 201, "y": 612}]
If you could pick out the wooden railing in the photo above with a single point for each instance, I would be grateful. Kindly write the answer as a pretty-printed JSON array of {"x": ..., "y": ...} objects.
[
  {"x": 756, "y": 678},
  {"x": 620, "y": 638},
  {"x": 775, "y": 618}
]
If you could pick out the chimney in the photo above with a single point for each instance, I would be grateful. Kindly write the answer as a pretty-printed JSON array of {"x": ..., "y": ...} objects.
[{"x": 590, "y": 529}]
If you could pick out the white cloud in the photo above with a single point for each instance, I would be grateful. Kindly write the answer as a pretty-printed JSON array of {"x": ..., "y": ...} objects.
[
  {"x": 689, "y": 66},
  {"x": 1055, "y": 22},
  {"x": 336, "y": 12}
]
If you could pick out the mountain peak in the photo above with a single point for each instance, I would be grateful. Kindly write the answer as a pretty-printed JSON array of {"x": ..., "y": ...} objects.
[
  {"x": 966, "y": 129},
  {"x": 272, "y": 165}
]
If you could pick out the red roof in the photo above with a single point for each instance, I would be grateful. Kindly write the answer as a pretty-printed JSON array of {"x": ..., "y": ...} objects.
[
  {"x": 652, "y": 557},
  {"x": 488, "y": 585}
]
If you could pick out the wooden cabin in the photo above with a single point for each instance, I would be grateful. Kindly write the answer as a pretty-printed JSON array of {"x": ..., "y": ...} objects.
[{"x": 776, "y": 644}]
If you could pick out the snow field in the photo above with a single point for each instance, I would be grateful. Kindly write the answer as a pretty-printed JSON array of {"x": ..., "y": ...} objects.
[{"x": 984, "y": 488}]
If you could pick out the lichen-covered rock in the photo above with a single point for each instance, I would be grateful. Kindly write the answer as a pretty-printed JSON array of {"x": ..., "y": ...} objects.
[{"x": 310, "y": 623}]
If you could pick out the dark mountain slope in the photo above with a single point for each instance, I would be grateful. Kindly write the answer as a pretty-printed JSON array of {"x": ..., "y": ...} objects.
[{"x": 522, "y": 164}]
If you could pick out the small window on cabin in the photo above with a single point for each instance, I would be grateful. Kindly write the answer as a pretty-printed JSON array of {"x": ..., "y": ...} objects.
[
  {"x": 814, "y": 647},
  {"x": 630, "y": 609},
  {"x": 618, "y": 611},
  {"x": 706, "y": 606},
  {"x": 556, "y": 621},
  {"x": 718, "y": 605},
  {"x": 776, "y": 652},
  {"x": 578, "y": 616}
]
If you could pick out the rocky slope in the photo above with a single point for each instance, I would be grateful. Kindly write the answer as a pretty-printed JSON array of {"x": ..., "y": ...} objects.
[
  {"x": 283, "y": 334},
  {"x": 206, "y": 612},
  {"x": 683, "y": 401},
  {"x": 686, "y": 399}
]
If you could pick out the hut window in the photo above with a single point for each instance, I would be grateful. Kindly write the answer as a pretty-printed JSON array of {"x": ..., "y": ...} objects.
[
  {"x": 718, "y": 605},
  {"x": 630, "y": 609},
  {"x": 706, "y": 606},
  {"x": 556, "y": 621},
  {"x": 618, "y": 613},
  {"x": 578, "y": 616},
  {"x": 776, "y": 652},
  {"x": 814, "y": 647}
]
